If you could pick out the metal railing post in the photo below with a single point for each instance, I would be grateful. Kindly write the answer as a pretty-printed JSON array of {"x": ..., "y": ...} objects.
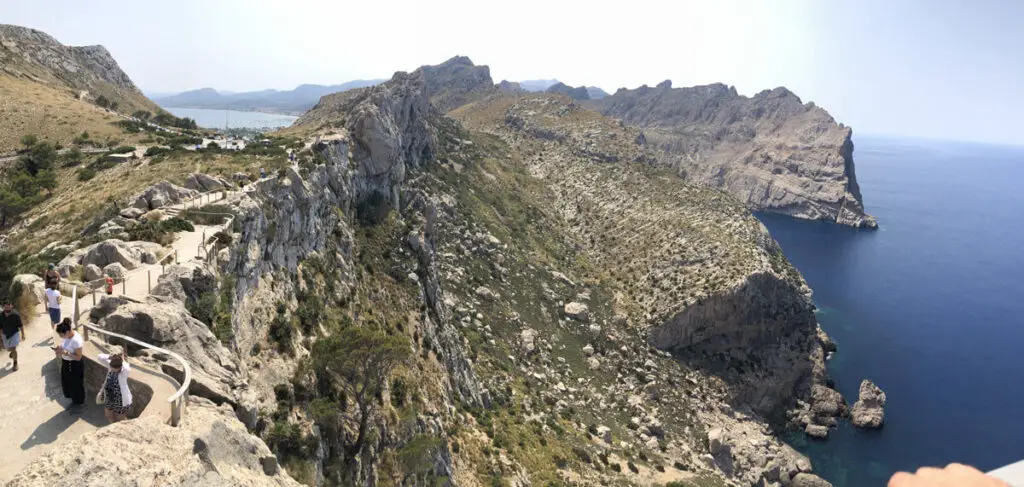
[
  {"x": 93, "y": 292},
  {"x": 124, "y": 287},
  {"x": 175, "y": 256},
  {"x": 149, "y": 280}
]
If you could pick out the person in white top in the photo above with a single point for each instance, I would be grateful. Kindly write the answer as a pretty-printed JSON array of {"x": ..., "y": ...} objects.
[
  {"x": 117, "y": 397},
  {"x": 72, "y": 370},
  {"x": 53, "y": 299}
]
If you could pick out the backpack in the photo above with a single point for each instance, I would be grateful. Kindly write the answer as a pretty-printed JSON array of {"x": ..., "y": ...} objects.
[{"x": 52, "y": 279}]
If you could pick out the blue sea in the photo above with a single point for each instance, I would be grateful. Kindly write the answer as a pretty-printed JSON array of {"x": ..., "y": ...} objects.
[
  {"x": 930, "y": 307},
  {"x": 216, "y": 119}
]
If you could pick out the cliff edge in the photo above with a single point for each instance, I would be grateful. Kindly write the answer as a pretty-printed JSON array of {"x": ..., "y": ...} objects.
[{"x": 771, "y": 151}]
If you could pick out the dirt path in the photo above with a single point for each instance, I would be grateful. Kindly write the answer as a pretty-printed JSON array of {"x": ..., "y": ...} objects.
[{"x": 33, "y": 415}]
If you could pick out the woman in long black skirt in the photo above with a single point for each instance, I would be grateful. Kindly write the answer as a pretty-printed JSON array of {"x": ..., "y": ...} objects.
[{"x": 72, "y": 370}]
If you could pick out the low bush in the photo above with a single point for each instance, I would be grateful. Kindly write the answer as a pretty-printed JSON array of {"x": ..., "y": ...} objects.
[{"x": 86, "y": 173}]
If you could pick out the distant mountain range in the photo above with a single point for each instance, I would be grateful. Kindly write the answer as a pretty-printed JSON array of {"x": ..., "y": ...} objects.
[{"x": 292, "y": 102}]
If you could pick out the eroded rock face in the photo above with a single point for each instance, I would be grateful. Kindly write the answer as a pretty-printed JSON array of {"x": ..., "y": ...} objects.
[
  {"x": 771, "y": 151},
  {"x": 130, "y": 255},
  {"x": 869, "y": 410},
  {"x": 203, "y": 182},
  {"x": 209, "y": 448},
  {"x": 456, "y": 82},
  {"x": 80, "y": 67},
  {"x": 160, "y": 194},
  {"x": 169, "y": 325}
]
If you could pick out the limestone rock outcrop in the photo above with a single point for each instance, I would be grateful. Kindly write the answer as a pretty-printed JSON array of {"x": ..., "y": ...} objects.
[
  {"x": 771, "y": 151},
  {"x": 160, "y": 194},
  {"x": 456, "y": 82},
  {"x": 869, "y": 410},
  {"x": 204, "y": 182},
  {"x": 167, "y": 324},
  {"x": 210, "y": 448},
  {"x": 128, "y": 254}
]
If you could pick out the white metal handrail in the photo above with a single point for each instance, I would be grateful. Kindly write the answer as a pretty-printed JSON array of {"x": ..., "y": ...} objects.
[{"x": 179, "y": 399}]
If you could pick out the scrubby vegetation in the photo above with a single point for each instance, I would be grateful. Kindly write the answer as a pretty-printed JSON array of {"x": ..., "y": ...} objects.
[
  {"x": 29, "y": 181},
  {"x": 161, "y": 232}
]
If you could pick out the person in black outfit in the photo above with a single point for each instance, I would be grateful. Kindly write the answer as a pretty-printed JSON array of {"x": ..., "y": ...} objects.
[
  {"x": 72, "y": 370},
  {"x": 13, "y": 331}
]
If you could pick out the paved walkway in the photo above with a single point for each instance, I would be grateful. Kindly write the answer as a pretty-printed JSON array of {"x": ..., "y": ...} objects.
[{"x": 33, "y": 415}]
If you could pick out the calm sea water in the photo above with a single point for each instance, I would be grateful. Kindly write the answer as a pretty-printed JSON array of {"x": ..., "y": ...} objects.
[
  {"x": 215, "y": 119},
  {"x": 930, "y": 307}
]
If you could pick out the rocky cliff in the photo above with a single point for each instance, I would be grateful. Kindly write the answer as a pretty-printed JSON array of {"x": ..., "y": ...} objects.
[
  {"x": 456, "y": 82},
  {"x": 578, "y": 93},
  {"x": 771, "y": 150},
  {"x": 560, "y": 306},
  {"x": 36, "y": 55}
]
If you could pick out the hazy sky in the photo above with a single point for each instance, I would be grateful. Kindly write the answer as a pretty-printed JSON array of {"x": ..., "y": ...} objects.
[{"x": 929, "y": 68}]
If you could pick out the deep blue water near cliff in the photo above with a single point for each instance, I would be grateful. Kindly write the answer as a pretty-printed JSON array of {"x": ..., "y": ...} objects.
[{"x": 930, "y": 307}]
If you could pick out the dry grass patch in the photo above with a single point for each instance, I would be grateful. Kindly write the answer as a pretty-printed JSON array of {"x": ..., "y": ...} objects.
[{"x": 52, "y": 113}]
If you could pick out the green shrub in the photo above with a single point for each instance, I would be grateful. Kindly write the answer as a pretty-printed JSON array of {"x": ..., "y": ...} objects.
[
  {"x": 203, "y": 308},
  {"x": 286, "y": 440},
  {"x": 86, "y": 173},
  {"x": 124, "y": 149},
  {"x": 282, "y": 333},
  {"x": 156, "y": 151},
  {"x": 399, "y": 392},
  {"x": 177, "y": 224}
]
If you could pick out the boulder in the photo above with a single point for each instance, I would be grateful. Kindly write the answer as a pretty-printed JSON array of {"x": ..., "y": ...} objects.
[
  {"x": 526, "y": 340},
  {"x": 169, "y": 325},
  {"x": 204, "y": 182},
  {"x": 577, "y": 311},
  {"x": 160, "y": 194},
  {"x": 132, "y": 212},
  {"x": 115, "y": 270},
  {"x": 485, "y": 293},
  {"x": 816, "y": 431},
  {"x": 147, "y": 257},
  {"x": 716, "y": 441},
  {"x": 32, "y": 293},
  {"x": 185, "y": 281},
  {"x": 110, "y": 228},
  {"x": 809, "y": 480},
  {"x": 869, "y": 410},
  {"x": 109, "y": 252},
  {"x": 92, "y": 272}
]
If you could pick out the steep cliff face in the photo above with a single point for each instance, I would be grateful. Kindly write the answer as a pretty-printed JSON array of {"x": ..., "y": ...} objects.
[
  {"x": 456, "y": 82},
  {"x": 35, "y": 54},
  {"x": 771, "y": 151},
  {"x": 715, "y": 285},
  {"x": 322, "y": 223}
]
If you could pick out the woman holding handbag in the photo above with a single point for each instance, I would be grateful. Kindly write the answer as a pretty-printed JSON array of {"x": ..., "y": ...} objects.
[{"x": 115, "y": 395}]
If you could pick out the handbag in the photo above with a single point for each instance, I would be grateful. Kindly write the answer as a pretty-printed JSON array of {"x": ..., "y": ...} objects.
[{"x": 101, "y": 397}]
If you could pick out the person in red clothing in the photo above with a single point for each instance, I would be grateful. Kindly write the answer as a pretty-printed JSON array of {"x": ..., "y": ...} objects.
[{"x": 110, "y": 285}]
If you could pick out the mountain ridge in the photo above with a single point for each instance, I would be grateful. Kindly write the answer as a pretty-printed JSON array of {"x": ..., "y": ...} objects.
[
  {"x": 288, "y": 102},
  {"x": 771, "y": 150}
]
